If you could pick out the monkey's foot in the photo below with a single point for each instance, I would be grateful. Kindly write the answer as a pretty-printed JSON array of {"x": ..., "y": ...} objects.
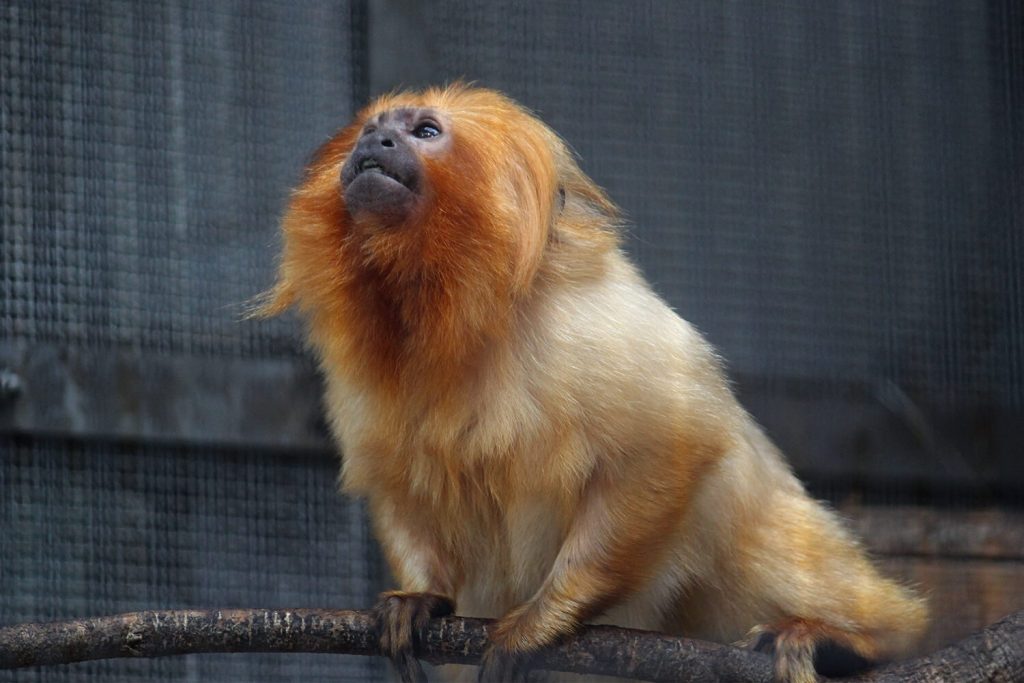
[
  {"x": 400, "y": 619},
  {"x": 802, "y": 649}
]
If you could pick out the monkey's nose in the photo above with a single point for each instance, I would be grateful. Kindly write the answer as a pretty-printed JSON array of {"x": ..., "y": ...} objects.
[{"x": 387, "y": 142}]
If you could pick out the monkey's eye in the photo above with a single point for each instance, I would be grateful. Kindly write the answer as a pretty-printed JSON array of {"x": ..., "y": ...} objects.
[{"x": 426, "y": 130}]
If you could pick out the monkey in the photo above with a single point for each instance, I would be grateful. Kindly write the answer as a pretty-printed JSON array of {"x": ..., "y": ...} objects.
[{"x": 538, "y": 436}]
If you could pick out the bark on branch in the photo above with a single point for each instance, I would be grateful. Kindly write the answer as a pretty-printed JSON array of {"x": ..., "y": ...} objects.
[{"x": 997, "y": 653}]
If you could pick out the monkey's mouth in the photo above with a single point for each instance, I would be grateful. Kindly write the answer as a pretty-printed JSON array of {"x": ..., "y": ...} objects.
[
  {"x": 385, "y": 185},
  {"x": 374, "y": 169},
  {"x": 373, "y": 166}
]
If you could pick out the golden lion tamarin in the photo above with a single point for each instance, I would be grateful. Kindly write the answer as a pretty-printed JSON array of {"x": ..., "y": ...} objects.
[{"x": 539, "y": 437}]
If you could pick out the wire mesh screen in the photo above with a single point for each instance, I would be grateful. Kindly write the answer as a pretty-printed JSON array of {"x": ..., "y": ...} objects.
[
  {"x": 148, "y": 149},
  {"x": 147, "y": 152},
  {"x": 100, "y": 529}
]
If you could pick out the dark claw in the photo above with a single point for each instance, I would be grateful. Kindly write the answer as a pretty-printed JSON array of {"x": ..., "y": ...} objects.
[{"x": 765, "y": 643}]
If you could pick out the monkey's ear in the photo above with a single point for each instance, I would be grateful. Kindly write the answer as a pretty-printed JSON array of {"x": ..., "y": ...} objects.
[{"x": 538, "y": 197}]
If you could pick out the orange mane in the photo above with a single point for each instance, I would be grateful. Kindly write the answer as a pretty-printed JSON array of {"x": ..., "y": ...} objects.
[{"x": 433, "y": 291}]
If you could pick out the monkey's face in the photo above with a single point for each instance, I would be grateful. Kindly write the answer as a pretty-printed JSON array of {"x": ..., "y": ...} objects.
[
  {"x": 458, "y": 187},
  {"x": 424, "y": 221},
  {"x": 384, "y": 175}
]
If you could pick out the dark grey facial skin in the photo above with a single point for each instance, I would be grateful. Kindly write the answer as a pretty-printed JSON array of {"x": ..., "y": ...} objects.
[{"x": 383, "y": 176}]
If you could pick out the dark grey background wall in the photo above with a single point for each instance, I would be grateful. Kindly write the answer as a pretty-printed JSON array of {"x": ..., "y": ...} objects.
[{"x": 831, "y": 191}]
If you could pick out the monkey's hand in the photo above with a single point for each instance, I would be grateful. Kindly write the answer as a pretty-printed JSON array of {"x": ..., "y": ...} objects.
[
  {"x": 400, "y": 620},
  {"x": 519, "y": 636},
  {"x": 618, "y": 532}
]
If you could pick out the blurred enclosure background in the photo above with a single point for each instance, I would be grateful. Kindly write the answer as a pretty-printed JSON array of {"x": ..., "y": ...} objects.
[{"x": 832, "y": 192}]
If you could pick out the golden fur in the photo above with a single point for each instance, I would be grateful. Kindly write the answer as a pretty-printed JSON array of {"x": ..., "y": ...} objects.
[{"x": 538, "y": 435}]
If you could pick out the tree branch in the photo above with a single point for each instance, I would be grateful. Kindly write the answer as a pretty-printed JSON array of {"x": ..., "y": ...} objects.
[{"x": 997, "y": 653}]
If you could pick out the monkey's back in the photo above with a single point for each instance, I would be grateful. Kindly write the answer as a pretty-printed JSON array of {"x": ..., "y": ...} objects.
[{"x": 752, "y": 547}]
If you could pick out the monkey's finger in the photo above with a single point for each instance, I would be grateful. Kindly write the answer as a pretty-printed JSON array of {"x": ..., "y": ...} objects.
[
  {"x": 500, "y": 666},
  {"x": 409, "y": 668}
]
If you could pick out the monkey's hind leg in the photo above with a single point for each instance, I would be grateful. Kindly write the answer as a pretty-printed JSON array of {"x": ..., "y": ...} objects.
[{"x": 801, "y": 649}]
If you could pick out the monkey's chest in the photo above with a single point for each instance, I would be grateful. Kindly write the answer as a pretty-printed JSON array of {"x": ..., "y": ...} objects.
[
  {"x": 480, "y": 486},
  {"x": 501, "y": 526}
]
